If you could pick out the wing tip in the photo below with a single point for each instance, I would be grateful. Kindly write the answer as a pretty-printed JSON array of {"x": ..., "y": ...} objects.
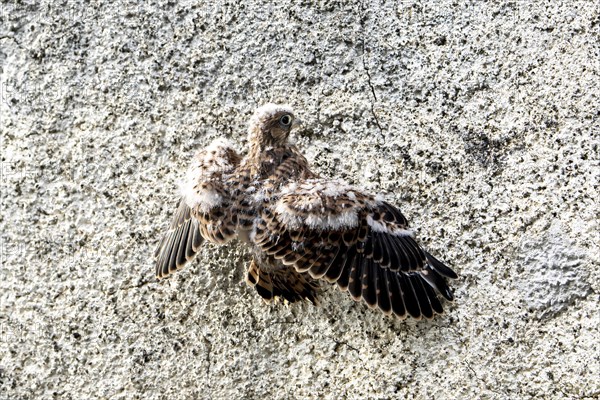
[{"x": 440, "y": 267}]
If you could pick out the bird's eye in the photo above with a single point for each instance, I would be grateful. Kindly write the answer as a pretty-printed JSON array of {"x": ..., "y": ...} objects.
[{"x": 285, "y": 120}]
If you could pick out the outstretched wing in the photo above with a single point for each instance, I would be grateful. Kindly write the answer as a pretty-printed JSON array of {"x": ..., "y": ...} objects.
[
  {"x": 180, "y": 244},
  {"x": 204, "y": 209},
  {"x": 338, "y": 233}
]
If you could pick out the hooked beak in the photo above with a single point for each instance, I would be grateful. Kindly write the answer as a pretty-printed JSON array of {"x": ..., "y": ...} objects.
[{"x": 297, "y": 124}]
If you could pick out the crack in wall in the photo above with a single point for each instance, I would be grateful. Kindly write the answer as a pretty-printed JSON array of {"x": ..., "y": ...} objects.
[{"x": 367, "y": 71}]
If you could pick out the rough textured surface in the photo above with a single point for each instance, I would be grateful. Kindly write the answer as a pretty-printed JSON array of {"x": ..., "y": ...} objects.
[{"x": 480, "y": 119}]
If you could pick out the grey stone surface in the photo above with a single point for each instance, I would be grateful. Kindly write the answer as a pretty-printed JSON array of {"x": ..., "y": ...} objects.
[{"x": 479, "y": 119}]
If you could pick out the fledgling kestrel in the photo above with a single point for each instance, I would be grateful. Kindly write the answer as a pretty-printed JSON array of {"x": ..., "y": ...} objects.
[{"x": 301, "y": 228}]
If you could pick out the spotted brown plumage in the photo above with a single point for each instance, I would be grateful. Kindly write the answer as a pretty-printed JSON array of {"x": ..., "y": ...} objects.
[{"x": 302, "y": 229}]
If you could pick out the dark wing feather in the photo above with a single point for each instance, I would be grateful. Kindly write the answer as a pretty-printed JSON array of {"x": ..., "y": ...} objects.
[
  {"x": 338, "y": 233},
  {"x": 397, "y": 297},
  {"x": 346, "y": 266},
  {"x": 335, "y": 270},
  {"x": 436, "y": 305},
  {"x": 439, "y": 267},
  {"x": 180, "y": 244},
  {"x": 383, "y": 293},
  {"x": 421, "y": 295},
  {"x": 410, "y": 297},
  {"x": 354, "y": 284},
  {"x": 369, "y": 282}
]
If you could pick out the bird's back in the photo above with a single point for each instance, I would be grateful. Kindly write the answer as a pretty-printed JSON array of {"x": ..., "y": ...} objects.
[{"x": 259, "y": 178}]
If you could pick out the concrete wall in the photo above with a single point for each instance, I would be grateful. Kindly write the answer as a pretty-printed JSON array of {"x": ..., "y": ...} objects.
[{"x": 479, "y": 119}]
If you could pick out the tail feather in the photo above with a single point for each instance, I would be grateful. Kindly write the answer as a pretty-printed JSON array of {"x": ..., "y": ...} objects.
[{"x": 284, "y": 283}]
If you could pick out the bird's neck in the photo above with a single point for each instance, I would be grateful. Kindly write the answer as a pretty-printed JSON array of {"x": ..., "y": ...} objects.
[{"x": 264, "y": 157}]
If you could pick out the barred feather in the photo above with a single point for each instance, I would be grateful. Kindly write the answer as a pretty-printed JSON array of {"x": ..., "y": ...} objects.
[{"x": 369, "y": 251}]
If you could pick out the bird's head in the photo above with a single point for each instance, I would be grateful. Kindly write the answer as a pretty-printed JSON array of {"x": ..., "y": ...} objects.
[{"x": 270, "y": 125}]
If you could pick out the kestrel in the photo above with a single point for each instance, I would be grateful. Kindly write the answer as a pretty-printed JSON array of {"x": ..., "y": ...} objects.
[{"x": 301, "y": 228}]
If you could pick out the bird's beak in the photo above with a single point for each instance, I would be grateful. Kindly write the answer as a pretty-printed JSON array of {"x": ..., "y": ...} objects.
[{"x": 297, "y": 124}]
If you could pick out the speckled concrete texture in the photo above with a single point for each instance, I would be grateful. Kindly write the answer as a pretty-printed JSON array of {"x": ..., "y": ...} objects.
[{"x": 479, "y": 119}]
